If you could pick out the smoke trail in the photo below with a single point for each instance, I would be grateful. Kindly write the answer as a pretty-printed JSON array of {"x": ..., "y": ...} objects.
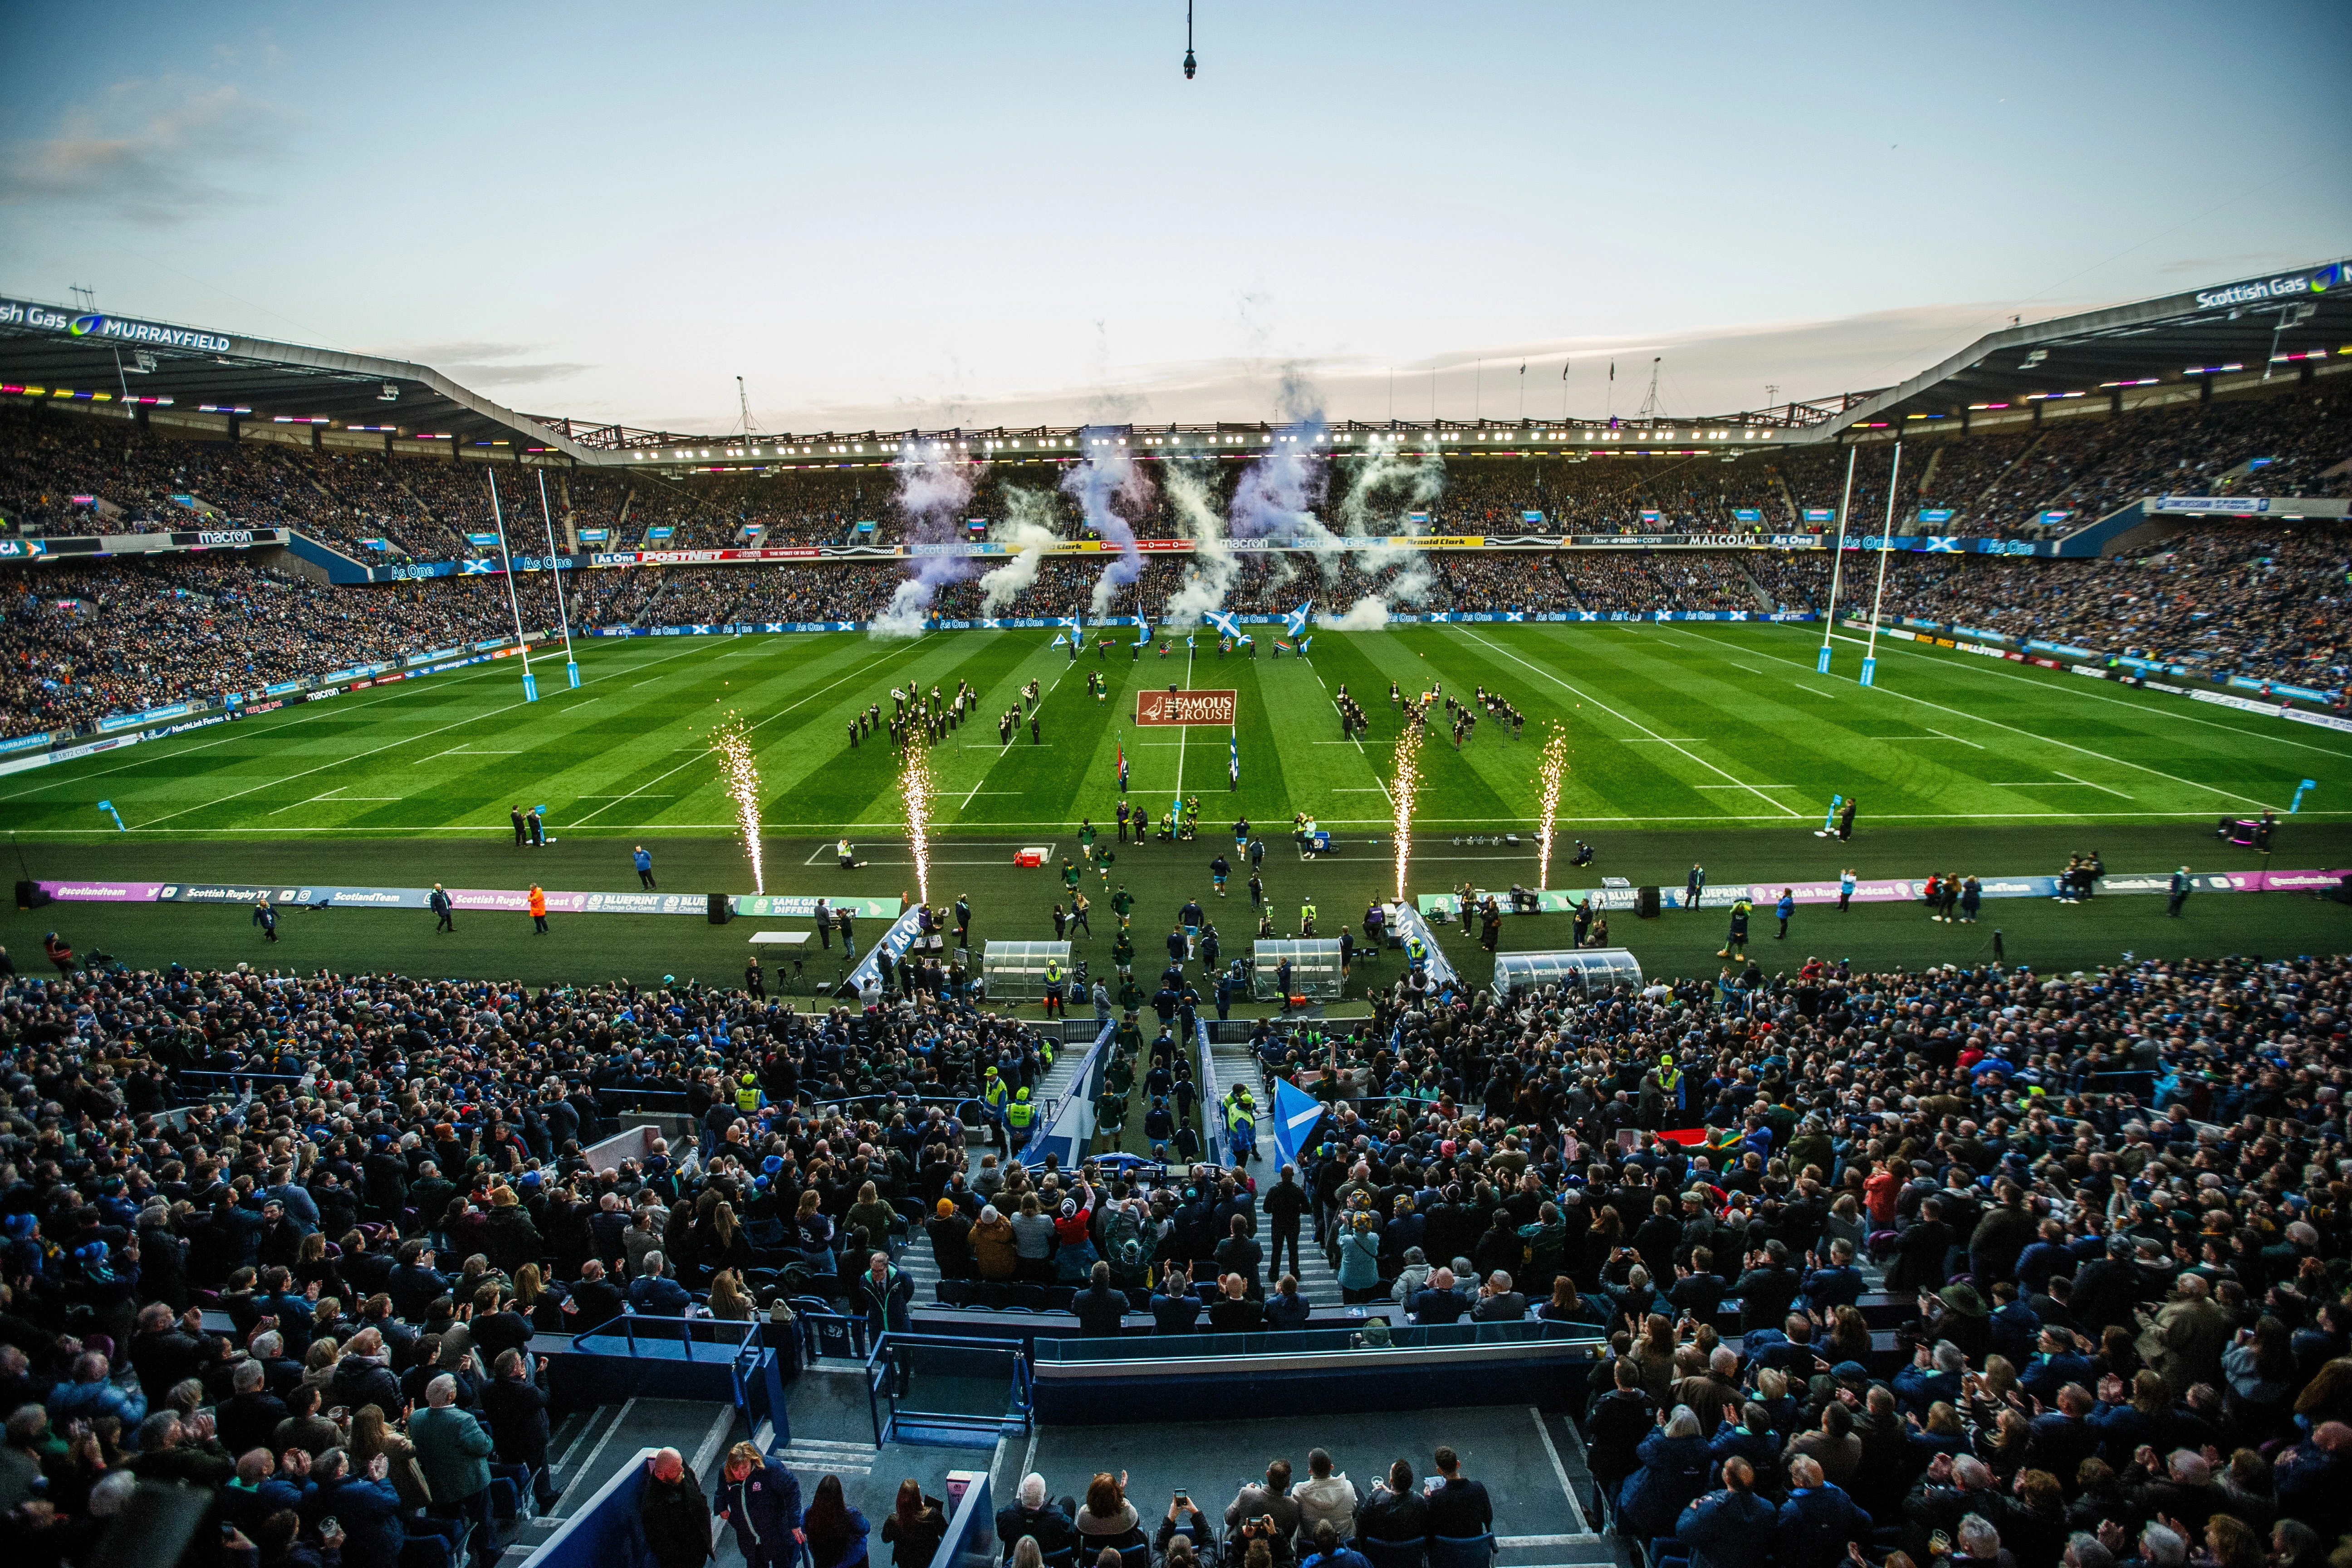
[
  {"x": 1209, "y": 575},
  {"x": 1277, "y": 493},
  {"x": 1386, "y": 487},
  {"x": 1108, "y": 479},
  {"x": 1029, "y": 532},
  {"x": 935, "y": 484}
]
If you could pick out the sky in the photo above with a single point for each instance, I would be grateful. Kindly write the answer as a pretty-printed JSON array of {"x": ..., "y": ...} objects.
[{"x": 890, "y": 215}]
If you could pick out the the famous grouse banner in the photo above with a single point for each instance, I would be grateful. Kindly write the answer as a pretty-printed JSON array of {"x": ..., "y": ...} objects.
[{"x": 1184, "y": 708}]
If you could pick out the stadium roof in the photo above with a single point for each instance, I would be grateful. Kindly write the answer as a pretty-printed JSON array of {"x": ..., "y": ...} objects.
[
  {"x": 93, "y": 357},
  {"x": 2123, "y": 356},
  {"x": 2276, "y": 323}
]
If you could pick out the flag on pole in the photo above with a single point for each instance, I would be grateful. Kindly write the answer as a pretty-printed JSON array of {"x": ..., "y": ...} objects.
[
  {"x": 1282, "y": 646},
  {"x": 1296, "y": 621},
  {"x": 1306, "y": 643},
  {"x": 1122, "y": 768},
  {"x": 1225, "y": 622},
  {"x": 1142, "y": 631},
  {"x": 1233, "y": 756}
]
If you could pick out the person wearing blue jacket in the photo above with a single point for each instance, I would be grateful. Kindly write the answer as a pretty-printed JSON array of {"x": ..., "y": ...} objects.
[
  {"x": 1673, "y": 1471},
  {"x": 761, "y": 1500},
  {"x": 1732, "y": 1528},
  {"x": 835, "y": 1532},
  {"x": 1817, "y": 1521},
  {"x": 1749, "y": 1440},
  {"x": 366, "y": 1507}
]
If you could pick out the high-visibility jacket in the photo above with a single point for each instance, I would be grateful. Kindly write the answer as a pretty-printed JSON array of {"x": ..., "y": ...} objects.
[
  {"x": 1019, "y": 1113},
  {"x": 747, "y": 1098},
  {"x": 993, "y": 1091},
  {"x": 1306, "y": 913},
  {"x": 1053, "y": 972},
  {"x": 538, "y": 902}
]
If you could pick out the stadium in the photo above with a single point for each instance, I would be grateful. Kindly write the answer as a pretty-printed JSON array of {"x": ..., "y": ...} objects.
[{"x": 586, "y": 993}]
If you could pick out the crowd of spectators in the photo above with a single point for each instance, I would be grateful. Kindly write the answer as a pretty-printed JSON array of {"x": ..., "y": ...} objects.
[
  {"x": 2113, "y": 1208},
  {"x": 2265, "y": 601}
]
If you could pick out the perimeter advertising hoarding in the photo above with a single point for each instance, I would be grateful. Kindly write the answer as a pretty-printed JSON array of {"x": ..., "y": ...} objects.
[{"x": 1184, "y": 708}]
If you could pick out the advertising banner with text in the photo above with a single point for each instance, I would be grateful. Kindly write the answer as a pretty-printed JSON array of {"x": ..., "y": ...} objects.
[{"x": 1184, "y": 708}]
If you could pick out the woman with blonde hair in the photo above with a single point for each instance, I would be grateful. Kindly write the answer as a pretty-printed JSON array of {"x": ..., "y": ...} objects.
[
  {"x": 371, "y": 1434},
  {"x": 319, "y": 1366},
  {"x": 728, "y": 1300}
]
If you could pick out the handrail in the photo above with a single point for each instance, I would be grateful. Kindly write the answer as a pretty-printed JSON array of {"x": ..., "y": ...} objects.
[{"x": 691, "y": 1330}]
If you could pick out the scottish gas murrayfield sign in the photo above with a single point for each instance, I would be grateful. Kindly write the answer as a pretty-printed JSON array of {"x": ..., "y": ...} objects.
[
  {"x": 1184, "y": 708},
  {"x": 2262, "y": 291},
  {"x": 111, "y": 329}
]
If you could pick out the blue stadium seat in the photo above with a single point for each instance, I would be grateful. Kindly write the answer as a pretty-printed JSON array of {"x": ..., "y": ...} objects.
[
  {"x": 1462, "y": 1550},
  {"x": 1392, "y": 1553}
]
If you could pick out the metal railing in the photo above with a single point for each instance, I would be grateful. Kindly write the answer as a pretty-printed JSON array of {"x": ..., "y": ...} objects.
[{"x": 890, "y": 1375}]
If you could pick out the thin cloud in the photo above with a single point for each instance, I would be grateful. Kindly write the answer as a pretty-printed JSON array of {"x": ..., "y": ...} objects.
[
  {"x": 151, "y": 151},
  {"x": 480, "y": 364}
]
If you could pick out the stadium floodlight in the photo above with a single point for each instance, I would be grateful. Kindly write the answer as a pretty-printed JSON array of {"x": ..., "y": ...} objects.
[{"x": 391, "y": 392}]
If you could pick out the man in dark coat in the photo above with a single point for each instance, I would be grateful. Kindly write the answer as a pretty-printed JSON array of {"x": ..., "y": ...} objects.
[
  {"x": 672, "y": 1513},
  {"x": 517, "y": 1408}
]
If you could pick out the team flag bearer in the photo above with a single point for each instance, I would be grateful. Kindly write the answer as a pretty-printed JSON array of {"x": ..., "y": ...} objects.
[
  {"x": 1122, "y": 768},
  {"x": 1233, "y": 760}
]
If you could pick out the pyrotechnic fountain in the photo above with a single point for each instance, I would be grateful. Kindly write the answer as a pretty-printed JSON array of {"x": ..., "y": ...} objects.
[
  {"x": 1555, "y": 768},
  {"x": 914, "y": 785},
  {"x": 1406, "y": 785},
  {"x": 732, "y": 743}
]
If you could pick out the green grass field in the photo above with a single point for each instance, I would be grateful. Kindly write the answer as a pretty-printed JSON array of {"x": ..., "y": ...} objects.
[{"x": 1710, "y": 741}]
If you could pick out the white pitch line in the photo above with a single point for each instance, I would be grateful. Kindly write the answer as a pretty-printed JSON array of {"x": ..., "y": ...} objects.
[
  {"x": 1981, "y": 666},
  {"x": 388, "y": 746},
  {"x": 769, "y": 719},
  {"x": 2052, "y": 739},
  {"x": 1623, "y": 720},
  {"x": 2088, "y": 784},
  {"x": 1948, "y": 737}
]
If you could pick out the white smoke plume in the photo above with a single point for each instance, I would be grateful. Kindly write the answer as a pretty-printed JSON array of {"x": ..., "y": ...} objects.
[
  {"x": 1208, "y": 576},
  {"x": 1107, "y": 486},
  {"x": 935, "y": 485},
  {"x": 1278, "y": 493},
  {"x": 1384, "y": 488},
  {"x": 1028, "y": 531}
]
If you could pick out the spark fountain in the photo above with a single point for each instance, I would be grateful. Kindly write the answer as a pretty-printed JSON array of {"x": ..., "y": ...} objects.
[
  {"x": 1407, "y": 785},
  {"x": 1555, "y": 768},
  {"x": 732, "y": 743},
  {"x": 914, "y": 785}
]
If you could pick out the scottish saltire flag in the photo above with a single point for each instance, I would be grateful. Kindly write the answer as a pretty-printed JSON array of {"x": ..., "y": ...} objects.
[
  {"x": 1122, "y": 768},
  {"x": 1058, "y": 640},
  {"x": 1224, "y": 621},
  {"x": 1233, "y": 757},
  {"x": 1306, "y": 643},
  {"x": 1296, "y": 1112},
  {"x": 1188, "y": 642},
  {"x": 1142, "y": 631},
  {"x": 1248, "y": 641},
  {"x": 1296, "y": 621}
]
